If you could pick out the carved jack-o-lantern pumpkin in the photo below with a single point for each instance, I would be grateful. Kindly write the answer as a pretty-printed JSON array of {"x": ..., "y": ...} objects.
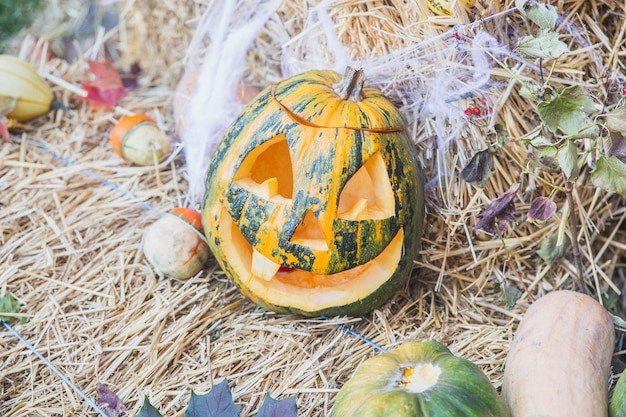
[{"x": 314, "y": 199}]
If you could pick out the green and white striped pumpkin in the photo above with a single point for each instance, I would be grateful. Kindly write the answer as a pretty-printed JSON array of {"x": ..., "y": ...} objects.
[{"x": 314, "y": 199}]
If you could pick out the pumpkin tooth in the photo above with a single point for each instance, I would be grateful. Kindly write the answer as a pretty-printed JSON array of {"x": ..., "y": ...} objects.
[{"x": 263, "y": 267}]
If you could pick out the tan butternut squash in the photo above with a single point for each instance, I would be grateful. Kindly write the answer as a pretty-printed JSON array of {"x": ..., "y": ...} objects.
[{"x": 560, "y": 360}]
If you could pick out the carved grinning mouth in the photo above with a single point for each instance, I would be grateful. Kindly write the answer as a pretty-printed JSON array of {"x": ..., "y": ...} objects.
[{"x": 280, "y": 285}]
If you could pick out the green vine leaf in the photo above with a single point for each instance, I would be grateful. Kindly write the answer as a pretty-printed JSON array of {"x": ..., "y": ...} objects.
[
  {"x": 218, "y": 402},
  {"x": 10, "y": 305},
  {"x": 278, "y": 408},
  {"x": 148, "y": 410},
  {"x": 544, "y": 15},
  {"x": 615, "y": 120},
  {"x": 566, "y": 109},
  {"x": 545, "y": 45},
  {"x": 567, "y": 158},
  {"x": 610, "y": 175},
  {"x": 551, "y": 250},
  {"x": 543, "y": 145}
]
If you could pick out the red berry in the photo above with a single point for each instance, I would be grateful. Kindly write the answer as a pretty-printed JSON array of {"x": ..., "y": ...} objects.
[
  {"x": 624, "y": 90},
  {"x": 468, "y": 111},
  {"x": 476, "y": 111}
]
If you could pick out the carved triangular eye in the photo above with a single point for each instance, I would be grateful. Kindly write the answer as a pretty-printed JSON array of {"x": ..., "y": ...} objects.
[
  {"x": 266, "y": 171},
  {"x": 368, "y": 194},
  {"x": 310, "y": 233}
]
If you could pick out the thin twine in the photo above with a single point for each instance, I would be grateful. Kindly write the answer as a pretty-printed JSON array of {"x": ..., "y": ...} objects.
[
  {"x": 149, "y": 207},
  {"x": 54, "y": 369},
  {"x": 95, "y": 176}
]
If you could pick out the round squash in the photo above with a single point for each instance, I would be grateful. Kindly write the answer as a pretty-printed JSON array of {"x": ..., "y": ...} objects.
[
  {"x": 444, "y": 7},
  {"x": 560, "y": 361},
  {"x": 314, "y": 199},
  {"x": 21, "y": 81},
  {"x": 618, "y": 401},
  {"x": 138, "y": 139},
  {"x": 175, "y": 245},
  {"x": 419, "y": 379}
]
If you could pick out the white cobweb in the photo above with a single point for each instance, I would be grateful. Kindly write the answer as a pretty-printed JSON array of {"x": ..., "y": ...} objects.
[{"x": 427, "y": 80}]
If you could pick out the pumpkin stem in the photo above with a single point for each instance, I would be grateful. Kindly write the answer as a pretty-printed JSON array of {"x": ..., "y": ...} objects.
[{"x": 351, "y": 85}]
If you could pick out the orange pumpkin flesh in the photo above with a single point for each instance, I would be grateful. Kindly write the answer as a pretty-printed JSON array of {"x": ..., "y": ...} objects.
[{"x": 314, "y": 199}]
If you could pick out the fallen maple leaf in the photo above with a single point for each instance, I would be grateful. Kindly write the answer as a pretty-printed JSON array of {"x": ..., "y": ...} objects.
[
  {"x": 278, "y": 408},
  {"x": 107, "y": 88},
  {"x": 218, "y": 402},
  {"x": 109, "y": 401},
  {"x": 494, "y": 218}
]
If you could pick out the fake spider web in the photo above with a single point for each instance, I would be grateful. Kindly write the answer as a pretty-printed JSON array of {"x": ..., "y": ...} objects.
[{"x": 430, "y": 81}]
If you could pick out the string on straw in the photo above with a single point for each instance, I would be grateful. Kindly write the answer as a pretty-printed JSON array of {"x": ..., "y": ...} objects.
[{"x": 54, "y": 369}]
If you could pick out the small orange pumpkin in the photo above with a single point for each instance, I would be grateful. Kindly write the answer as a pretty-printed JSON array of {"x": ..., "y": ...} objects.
[{"x": 138, "y": 139}]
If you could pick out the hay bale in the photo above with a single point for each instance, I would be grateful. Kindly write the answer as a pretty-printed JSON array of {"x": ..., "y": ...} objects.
[{"x": 72, "y": 217}]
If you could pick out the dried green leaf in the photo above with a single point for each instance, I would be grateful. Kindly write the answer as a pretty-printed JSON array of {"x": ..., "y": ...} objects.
[
  {"x": 479, "y": 168},
  {"x": 544, "y": 15},
  {"x": 545, "y": 45},
  {"x": 218, "y": 402},
  {"x": 610, "y": 175},
  {"x": 566, "y": 109},
  {"x": 148, "y": 410},
  {"x": 509, "y": 294},
  {"x": 278, "y": 408},
  {"x": 567, "y": 158},
  {"x": 551, "y": 250},
  {"x": 9, "y": 304},
  {"x": 530, "y": 91}
]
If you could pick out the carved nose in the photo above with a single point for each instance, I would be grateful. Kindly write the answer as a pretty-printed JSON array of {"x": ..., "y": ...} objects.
[{"x": 310, "y": 233}]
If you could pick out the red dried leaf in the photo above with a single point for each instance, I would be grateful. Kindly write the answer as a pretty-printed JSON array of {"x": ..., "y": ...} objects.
[
  {"x": 106, "y": 89},
  {"x": 499, "y": 212},
  {"x": 541, "y": 209},
  {"x": 109, "y": 401}
]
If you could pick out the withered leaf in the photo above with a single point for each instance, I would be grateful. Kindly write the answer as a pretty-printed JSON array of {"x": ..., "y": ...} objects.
[
  {"x": 109, "y": 401},
  {"x": 498, "y": 213},
  {"x": 541, "y": 209},
  {"x": 479, "y": 168}
]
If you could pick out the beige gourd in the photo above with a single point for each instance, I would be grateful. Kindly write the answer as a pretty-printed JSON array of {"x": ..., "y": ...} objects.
[
  {"x": 22, "y": 82},
  {"x": 560, "y": 360}
]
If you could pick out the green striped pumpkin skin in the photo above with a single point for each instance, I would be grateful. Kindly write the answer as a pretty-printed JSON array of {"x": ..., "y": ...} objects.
[
  {"x": 376, "y": 389},
  {"x": 325, "y": 148},
  {"x": 618, "y": 401}
]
